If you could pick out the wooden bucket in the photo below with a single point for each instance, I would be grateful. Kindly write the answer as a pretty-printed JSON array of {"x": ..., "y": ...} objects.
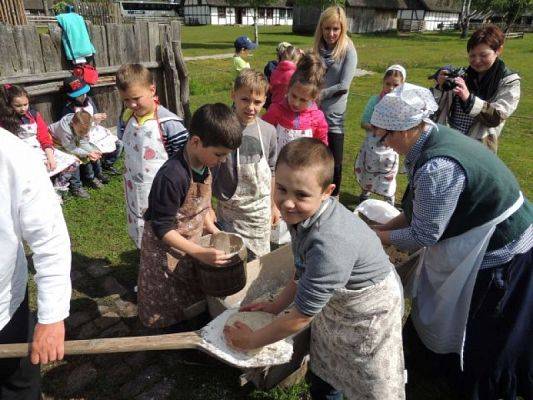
[{"x": 227, "y": 279}]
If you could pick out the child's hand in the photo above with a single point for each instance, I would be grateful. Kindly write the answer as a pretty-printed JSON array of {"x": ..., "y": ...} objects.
[
  {"x": 51, "y": 163},
  {"x": 239, "y": 336},
  {"x": 99, "y": 117},
  {"x": 94, "y": 155},
  {"x": 212, "y": 256},
  {"x": 265, "y": 306},
  {"x": 276, "y": 215}
]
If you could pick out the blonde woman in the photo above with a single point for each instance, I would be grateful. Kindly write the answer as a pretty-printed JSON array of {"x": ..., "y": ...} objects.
[{"x": 338, "y": 53}]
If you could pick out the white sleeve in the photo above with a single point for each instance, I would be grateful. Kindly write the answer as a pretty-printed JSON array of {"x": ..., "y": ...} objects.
[{"x": 43, "y": 227}]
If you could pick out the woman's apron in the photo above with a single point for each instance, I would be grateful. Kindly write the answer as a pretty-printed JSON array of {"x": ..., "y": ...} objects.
[
  {"x": 443, "y": 284},
  {"x": 144, "y": 154},
  {"x": 356, "y": 341},
  {"x": 248, "y": 212},
  {"x": 168, "y": 290},
  {"x": 376, "y": 167},
  {"x": 286, "y": 135}
]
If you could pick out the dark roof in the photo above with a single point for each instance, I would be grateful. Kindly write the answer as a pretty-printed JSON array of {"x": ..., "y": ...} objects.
[
  {"x": 275, "y": 4},
  {"x": 435, "y": 5},
  {"x": 378, "y": 4}
]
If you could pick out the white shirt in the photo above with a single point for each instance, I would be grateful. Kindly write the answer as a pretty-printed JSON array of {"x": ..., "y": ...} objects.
[{"x": 30, "y": 211}]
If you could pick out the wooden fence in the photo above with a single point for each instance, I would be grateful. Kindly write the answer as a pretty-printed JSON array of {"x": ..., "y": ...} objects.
[
  {"x": 12, "y": 12},
  {"x": 37, "y": 62}
]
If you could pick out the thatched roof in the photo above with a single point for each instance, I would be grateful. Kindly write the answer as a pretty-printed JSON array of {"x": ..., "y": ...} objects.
[
  {"x": 378, "y": 4},
  {"x": 435, "y": 5}
]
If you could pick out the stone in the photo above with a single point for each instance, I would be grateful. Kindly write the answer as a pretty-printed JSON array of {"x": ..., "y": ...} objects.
[
  {"x": 80, "y": 377},
  {"x": 161, "y": 390},
  {"x": 97, "y": 271},
  {"x": 148, "y": 377},
  {"x": 126, "y": 308},
  {"x": 77, "y": 319},
  {"x": 117, "y": 330},
  {"x": 88, "y": 331},
  {"x": 107, "y": 320},
  {"x": 111, "y": 286}
]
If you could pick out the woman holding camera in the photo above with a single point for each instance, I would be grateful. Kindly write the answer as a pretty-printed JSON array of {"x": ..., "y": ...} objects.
[{"x": 479, "y": 103}]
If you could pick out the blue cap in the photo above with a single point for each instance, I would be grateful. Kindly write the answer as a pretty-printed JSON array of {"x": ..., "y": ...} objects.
[{"x": 244, "y": 42}]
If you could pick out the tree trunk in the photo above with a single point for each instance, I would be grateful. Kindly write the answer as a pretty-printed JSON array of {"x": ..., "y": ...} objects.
[
  {"x": 465, "y": 21},
  {"x": 256, "y": 29}
]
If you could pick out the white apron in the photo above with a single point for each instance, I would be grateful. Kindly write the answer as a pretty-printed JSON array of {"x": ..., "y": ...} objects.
[
  {"x": 248, "y": 212},
  {"x": 443, "y": 284},
  {"x": 144, "y": 154},
  {"x": 376, "y": 167},
  {"x": 286, "y": 135}
]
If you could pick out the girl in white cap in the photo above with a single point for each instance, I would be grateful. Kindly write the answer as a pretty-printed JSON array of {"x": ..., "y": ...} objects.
[{"x": 376, "y": 165}]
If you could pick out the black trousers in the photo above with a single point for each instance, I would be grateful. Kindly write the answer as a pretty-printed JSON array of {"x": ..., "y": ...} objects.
[
  {"x": 19, "y": 378},
  {"x": 336, "y": 145}
]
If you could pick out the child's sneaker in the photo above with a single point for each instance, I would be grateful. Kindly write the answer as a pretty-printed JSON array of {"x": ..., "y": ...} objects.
[
  {"x": 103, "y": 178},
  {"x": 80, "y": 192},
  {"x": 95, "y": 183}
]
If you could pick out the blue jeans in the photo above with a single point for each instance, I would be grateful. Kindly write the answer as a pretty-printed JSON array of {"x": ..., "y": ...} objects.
[
  {"x": 321, "y": 390},
  {"x": 86, "y": 173},
  {"x": 111, "y": 158}
]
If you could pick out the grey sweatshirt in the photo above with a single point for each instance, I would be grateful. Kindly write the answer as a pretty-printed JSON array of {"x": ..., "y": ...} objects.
[
  {"x": 334, "y": 249},
  {"x": 334, "y": 96}
]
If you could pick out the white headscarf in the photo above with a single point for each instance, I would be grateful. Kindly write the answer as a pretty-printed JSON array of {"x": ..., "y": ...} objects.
[
  {"x": 404, "y": 108},
  {"x": 399, "y": 68}
]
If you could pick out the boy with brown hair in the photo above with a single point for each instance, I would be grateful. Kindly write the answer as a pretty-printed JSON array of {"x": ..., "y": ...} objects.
[
  {"x": 150, "y": 133},
  {"x": 178, "y": 212},
  {"x": 243, "y": 184},
  {"x": 344, "y": 285}
]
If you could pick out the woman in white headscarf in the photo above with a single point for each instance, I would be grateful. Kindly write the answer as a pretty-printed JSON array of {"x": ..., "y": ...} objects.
[{"x": 473, "y": 289}]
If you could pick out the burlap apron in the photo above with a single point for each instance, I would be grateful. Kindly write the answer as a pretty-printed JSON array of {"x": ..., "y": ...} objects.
[
  {"x": 356, "y": 342},
  {"x": 168, "y": 286}
]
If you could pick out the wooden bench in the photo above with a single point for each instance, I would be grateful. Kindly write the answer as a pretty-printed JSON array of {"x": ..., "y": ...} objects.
[{"x": 514, "y": 35}]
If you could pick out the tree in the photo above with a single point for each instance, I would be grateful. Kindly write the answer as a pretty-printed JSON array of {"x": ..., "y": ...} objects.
[
  {"x": 465, "y": 18},
  {"x": 510, "y": 10},
  {"x": 254, "y": 4}
]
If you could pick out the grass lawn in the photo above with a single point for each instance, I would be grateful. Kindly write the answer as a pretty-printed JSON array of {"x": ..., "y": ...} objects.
[{"x": 97, "y": 227}]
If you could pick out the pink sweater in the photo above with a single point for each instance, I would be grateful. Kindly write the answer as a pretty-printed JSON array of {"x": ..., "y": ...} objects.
[
  {"x": 311, "y": 118},
  {"x": 279, "y": 80}
]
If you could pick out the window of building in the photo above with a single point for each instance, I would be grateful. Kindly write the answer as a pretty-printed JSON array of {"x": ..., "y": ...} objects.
[
  {"x": 270, "y": 13},
  {"x": 199, "y": 2},
  {"x": 262, "y": 13},
  {"x": 289, "y": 14},
  {"x": 282, "y": 13},
  {"x": 221, "y": 12}
]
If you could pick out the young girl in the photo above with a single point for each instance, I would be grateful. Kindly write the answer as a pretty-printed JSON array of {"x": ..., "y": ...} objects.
[
  {"x": 17, "y": 117},
  {"x": 281, "y": 76},
  {"x": 298, "y": 115},
  {"x": 376, "y": 165}
]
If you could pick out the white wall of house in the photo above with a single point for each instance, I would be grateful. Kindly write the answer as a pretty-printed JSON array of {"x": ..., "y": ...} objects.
[{"x": 433, "y": 20}]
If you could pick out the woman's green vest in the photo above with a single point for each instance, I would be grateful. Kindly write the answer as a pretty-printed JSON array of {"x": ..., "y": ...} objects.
[{"x": 490, "y": 188}]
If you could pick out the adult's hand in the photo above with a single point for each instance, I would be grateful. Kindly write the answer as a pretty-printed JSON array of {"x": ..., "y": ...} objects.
[
  {"x": 461, "y": 90},
  {"x": 48, "y": 343}
]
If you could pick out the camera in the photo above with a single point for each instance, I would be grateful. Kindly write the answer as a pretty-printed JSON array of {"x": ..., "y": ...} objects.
[{"x": 452, "y": 73}]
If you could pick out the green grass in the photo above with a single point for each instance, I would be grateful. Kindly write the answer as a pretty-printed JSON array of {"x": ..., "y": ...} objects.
[{"x": 98, "y": 230}]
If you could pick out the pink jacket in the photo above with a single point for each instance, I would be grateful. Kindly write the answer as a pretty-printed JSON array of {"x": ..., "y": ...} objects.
[
  {"x": 279, "y": 80},
  {"x": 311, "y": 118}
]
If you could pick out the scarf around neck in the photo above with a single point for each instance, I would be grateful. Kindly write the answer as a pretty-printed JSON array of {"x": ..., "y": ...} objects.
[
  {"x": 486, "y": 87},
  {"x": 327, "y": 56}
]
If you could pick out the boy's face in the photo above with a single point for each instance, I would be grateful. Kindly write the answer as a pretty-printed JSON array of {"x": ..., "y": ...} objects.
[
  {"x": 209, "y": 156},
  {"x": 247, "y": 104},
  {"x": 139, "y": 98},
  {"x": 298, "y": 194}
]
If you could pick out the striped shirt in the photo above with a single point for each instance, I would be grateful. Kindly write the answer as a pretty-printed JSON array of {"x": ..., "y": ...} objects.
[{"x": 438, "y": 184}]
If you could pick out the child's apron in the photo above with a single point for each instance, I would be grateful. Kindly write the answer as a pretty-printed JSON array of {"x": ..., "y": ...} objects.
[
  {"x": 444, "y": 282},
  {"x": 356, "y": 341},
  {"x": 248, "y": 212},
  {"x": 144, "y": 154},
  {"x": 168, "y": 290},
  {"x": 286, "y": 135},
  {"x": 376, "y": 167}
]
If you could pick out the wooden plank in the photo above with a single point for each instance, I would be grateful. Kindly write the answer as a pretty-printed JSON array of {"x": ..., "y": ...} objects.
[
  {"x": 175, "y": 27},
  {"x": 183, "y": 74},
  {"x": 51, "y": 56},
  {"x": 131, "y": 50},
  {"x": 171, "y": 77},
  {"x": 100, "y": 45},
  {"x": 10, "y": 62},
  {"x": 153, "y": 40},
  {"x": 164, "y": 31},
  {"x": 141, "y": 38},
  {"x": 55, "y": 34},
  {"x": 33, "y": 47},
  {"x": 115, "y": 43},
  {"x": 18, "y": 35}
]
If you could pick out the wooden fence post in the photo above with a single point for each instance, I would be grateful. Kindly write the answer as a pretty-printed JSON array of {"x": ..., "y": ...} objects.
[
  {"x": 172, "y": 80},
  {"x": 183, "y": 74}
]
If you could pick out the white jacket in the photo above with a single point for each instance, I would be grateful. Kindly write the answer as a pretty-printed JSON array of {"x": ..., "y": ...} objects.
[{"x": 30, "y": 211}]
